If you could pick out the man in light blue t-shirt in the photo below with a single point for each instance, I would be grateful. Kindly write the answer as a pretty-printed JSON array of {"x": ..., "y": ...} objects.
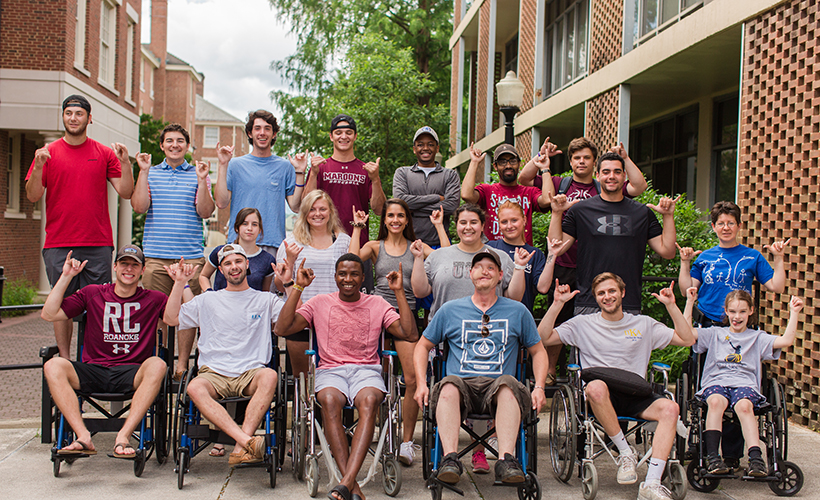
[
  {"x": 261, "y": 180},
  {"x": 484, "y": 333}
]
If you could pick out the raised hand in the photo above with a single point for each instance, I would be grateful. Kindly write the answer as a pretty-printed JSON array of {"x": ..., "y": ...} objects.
[
  {"x": 121, "y": 151},
  {"x": 666, "y": 296},
  {"x": 283, "y": 270},
  {"x": 72, "y": 267},
  {"x": 360, "y": 216},
  {"x": 144, "y": 162},
  {"x": 522, "y": 256},
  {"x": 560, "y": 203},
  {"x": 41, "y": 156},
  {"x": 687, "y": 253},
  {"x": 691, "y": 294},
  {"x": 299, "y": 162},
  {"x": 620, "y": 150},
  {"x": 563, "y": 293},
  {"x": 666, "y": 206},
  {"x": 292, "y": 251},
  {"x": 795, "y": 304},
  {"x": 437, "y": 217},
  {"x": 555, "y": 245},
  {"x": 475, "y": 154},
  {"x": 417, "y": 249},
  {"x": 372, "y": 169},
  {"x": 778, "y": 248},
  {"x": 224, "y": 153},
  {"x": 549, "y": 148},
  {"x": 316, "y": 160},
  {"x": 304, "y": 276},
  {"x": 395, "y": 279},
  {"x": 203, "y": 169}
]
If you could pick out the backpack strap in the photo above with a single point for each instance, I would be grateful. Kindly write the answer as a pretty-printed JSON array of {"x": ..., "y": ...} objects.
[{"x": 564, "y": 186}]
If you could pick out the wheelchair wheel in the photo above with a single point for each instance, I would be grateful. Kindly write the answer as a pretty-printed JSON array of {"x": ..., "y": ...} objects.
[
  {"x": 589, "y": 480},
  {"x": 182, "y": 464},
  {"x": 696, "y": 477},
  {"x": 312, "y": 475},
  {"x": 161, "y": 430},
  {"x": 531, "y": 490},
  {"x": 139, "y": 462},
  {"x": 56, "y": 466},
  {"x": 790, "y": 482},
  {"x": 682, "y": 399},
  {"x": 272, "y": 466},
  {"x": 298, "y": 437},
  {"x": 391, "y": 476},
  {"x": 781, "y": 423},
  {"x": 281, "y": 417},
  {"x": 563, "y": 433},
  {"x": 677, "y": 480},
  {"x": 429, "y": 436}
]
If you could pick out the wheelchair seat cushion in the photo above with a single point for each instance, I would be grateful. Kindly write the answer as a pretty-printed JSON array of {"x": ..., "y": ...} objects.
[{"x": 618, "y": 380}]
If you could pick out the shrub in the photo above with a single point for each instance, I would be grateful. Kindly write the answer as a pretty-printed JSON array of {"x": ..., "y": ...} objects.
[{"x": 18, "y": 292}]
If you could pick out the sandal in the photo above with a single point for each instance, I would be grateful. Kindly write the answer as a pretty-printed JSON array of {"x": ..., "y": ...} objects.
[
  {"x": 85, "y": 450},
  {"x": 550, "y": 380},
  {"x": 217, "y": 451},
  {"x": 342, "y": 491},
  {"x": 123, "y": 447}
]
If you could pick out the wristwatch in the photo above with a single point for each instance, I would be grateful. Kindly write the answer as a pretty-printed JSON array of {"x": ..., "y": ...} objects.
[{"x": 289, "y": 283}]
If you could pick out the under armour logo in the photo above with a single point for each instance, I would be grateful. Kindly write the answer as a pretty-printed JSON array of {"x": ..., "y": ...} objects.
[
  {"x": 125, "y": 349},
  {"x": 614, "y": 225}
]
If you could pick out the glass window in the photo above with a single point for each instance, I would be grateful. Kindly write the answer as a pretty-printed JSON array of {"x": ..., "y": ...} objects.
[
  {"x": 724, "y": 148},
  {"x": 79, "y": 35},
  {"x": 108, "y": 29},
  {"x": 651, "y": 15},
  {"x": 687, "y": 139},
  {"x": 511, "y": 56},
  {"x": 566, "y": 43},
  {"x": 211, "y": 137}
]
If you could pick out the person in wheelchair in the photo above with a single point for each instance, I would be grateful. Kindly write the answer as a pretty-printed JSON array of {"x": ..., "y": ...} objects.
[
  {"x": 120, "y": 337},
  {"x": 612, "y": 338},
  {"x": 234, "y": 347},
  {"x": 484, "y": 333},
  {"x": 732, "y": 370},
  {"x": 348, "y": 327}
]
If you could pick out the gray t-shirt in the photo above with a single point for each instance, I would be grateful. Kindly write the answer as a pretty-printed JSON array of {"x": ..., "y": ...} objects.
[
  {"x": 733, "y": 359},
  {"x": 448, "y": 271},
  {"x": 626, "y": 344}
]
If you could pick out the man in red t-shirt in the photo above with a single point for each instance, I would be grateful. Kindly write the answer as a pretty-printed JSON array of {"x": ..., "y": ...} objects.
[
  {"x": 72, "y": 172},
  {"x": 120, "y": 338},
  {"x": 489, "y": 196}
]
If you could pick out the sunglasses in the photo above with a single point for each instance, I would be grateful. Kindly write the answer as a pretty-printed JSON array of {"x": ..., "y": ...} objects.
[{"x": 485, "y": 321}]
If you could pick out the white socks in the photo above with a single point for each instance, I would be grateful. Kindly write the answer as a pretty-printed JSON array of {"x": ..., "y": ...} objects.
[{"x": 620, "y": 442}]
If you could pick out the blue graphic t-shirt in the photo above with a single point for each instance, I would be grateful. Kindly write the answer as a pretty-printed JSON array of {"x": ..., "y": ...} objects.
[
  {"x": 733, "y": 359},
  {"x": 483, "y": 349},
  {"x": 722, "y": 270}
]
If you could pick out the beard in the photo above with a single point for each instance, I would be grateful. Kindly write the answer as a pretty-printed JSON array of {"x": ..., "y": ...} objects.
[
  {"x": 236, "y": 280},
  {"x": 508, "y": 176}
]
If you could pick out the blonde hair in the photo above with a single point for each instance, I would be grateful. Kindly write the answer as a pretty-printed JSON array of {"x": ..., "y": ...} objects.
[{"x": 301, "y": 228}]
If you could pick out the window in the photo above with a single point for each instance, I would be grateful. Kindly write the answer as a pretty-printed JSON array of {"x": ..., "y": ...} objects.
[
  {"x": 724, "y": 149},
  {"x": 142, "y": 75},
  {"x": 79, "y": 35},
  {"x": 566, "y": 43},
  {"x": 652, "y": 15},
  {"x": 108, "y": 31},
  {"x": 13, "y": 175},
  {"x": 666, "y": 152},
  {"x": 129, "y": 61},
  {"x": 211, "y": 137},
  {"x": 151, "y": 81},
  {"x": 511, "y": 55}
]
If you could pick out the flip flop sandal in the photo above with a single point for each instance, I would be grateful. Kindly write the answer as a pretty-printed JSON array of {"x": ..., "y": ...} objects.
[
  {"x": 123, "y": 456},
  {"x": 86, "y": 450},
  {"x": 217, "y": 452},
  {"x": 341, "y": 490}
]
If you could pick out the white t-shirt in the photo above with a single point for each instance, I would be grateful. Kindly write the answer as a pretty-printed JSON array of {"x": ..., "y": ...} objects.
[
  {"x": 234, "y": 328},
  {"x": 323, "y": 263},
  {"x": 626, "y": 344}
]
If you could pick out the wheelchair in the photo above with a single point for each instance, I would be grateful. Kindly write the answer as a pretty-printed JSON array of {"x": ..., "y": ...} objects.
[
  {"x": 151, "y": 434},
  {"x": 574, "y": 435},
  {"x": 190, "y": 436},
  {"x": 306, "y": 429},
  {"x": 785, "y": 478},
  {"x": 526, "y": 448}
]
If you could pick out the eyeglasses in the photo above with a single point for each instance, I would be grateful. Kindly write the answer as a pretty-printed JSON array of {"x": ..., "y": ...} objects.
[
  {"x": 485, "y": 321},
  {"x": 504, "y": 162},
  {"x": 721, "y": 225}
]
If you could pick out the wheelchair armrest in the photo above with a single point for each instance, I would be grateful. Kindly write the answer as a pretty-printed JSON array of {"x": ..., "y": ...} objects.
[
  {"x": 48, "y": 352},
  {"x": 389, "y": 353}
]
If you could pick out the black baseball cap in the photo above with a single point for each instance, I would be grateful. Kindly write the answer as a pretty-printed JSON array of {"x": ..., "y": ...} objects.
[
  {"x": 351, "y": 123},
  {"x": 77, "y": 100},
  {"x": 486, "y": 254}
]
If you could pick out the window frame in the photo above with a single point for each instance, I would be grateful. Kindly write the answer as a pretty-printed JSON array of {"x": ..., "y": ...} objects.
[{"x": 556, "y": 81}]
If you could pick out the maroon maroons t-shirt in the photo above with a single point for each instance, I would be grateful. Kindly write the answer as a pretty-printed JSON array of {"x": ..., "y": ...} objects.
[
  {"x": 118, "y": 331},
  {"x": 349, "y": 187}
]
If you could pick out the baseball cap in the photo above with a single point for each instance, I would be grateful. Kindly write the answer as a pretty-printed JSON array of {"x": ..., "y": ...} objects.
[
  {"x": 426, "y": 130},
  {"x": 131, "y": 251},
  {"x": 77, "y": 100},
  {"x": 351, "y": 123},
  {"x": 486, "y": 254},
  {"x": 505, "y": 149},
  {"x": 230, "y": 249}
]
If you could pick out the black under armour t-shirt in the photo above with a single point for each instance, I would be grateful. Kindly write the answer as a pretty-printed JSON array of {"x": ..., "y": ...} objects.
[{"x": 611, "y": 237}]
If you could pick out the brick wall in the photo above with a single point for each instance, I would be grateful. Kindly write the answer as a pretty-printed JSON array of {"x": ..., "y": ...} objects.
[
  {"x": 178, "y": 98},
  {"x": 778, "y": 179},
  {"x": 526, "y": 50},
  {"x": 483, "y": 58},
  {"x": 602, "y": 119},
  {"x": 606, "y": 34}
]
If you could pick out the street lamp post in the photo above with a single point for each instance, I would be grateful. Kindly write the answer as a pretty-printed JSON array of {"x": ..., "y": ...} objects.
[{"x": 510, "y": 93}]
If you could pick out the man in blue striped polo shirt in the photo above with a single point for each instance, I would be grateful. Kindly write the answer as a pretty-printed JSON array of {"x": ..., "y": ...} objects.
[{"x": 176, "y": 196}]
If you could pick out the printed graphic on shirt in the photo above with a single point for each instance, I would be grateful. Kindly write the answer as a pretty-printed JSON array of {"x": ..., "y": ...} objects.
[
  {"x": 615, "y": 225},
  {"x": 117, "y": 328},
  {"x": 348, "y": 330},
  {"x": 721, "y": 270},
  {"x": 461, "y": 270},
  {"x": 735, "y": 357},
  {"x": 484, "y": 352},
  {"x": 633, "y": 334},
  {"x": 343, "y": 178}
]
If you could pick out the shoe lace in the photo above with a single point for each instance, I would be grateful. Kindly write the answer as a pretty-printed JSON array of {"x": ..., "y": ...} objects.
[{"x": 661, "y": 489}]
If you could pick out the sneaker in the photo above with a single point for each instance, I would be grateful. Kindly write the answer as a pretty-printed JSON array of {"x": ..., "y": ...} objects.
[
  {"x": 407, "y": 452},
  {"x": 757, "y": 467},
  {"x": 508, "y": 470},
  {"x": 654, "y": 491},
  {"x": 626, "y": 468},
  {"x": 450, "y": 469},
  {"x": 714, "y": 465},
  {"x": 493, "y": 441},
  {"x": 480, "y": 465}
]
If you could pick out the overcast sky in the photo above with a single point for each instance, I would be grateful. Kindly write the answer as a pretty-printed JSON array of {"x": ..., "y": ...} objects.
[{"x": 231, "y": 42}]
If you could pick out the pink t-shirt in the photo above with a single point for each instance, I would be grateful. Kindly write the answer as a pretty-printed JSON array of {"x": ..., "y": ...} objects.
[
  {"x": 349, "y": 187},
  {"x": 348, "y": 333},
  {"x": 76, "y": 179},
  {"x": 490, "y": 196},
  {"x": 118, "y": 331}
]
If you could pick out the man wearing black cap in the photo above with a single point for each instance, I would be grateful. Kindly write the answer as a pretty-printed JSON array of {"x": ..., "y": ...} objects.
[
  {"x": 427, "y": 186},
  {"x": 484, "y": 333},
  {"x": 120, "y": 337},
  {"x": 506, "y": 161},
  {"x": 72, "y": 172}
]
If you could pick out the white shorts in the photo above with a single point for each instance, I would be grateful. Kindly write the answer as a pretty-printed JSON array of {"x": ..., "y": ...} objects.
[{"x": 350, "y": 379}]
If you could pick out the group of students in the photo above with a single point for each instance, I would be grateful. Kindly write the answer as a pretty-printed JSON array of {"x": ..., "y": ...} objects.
[{"x": 596, "y": 229}]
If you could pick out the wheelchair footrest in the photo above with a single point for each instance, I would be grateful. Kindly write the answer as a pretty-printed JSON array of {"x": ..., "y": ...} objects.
[
  {"x": 198, "y": 432},
  {"x": 514, "y": 485},
  {"x": 434, "y": 482}
]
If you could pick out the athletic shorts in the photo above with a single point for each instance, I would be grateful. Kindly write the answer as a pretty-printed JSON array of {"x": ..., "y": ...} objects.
[
  {"x": 155, "y": 277},
  {"x": 477, "y": 394},
  {"x": 105, "y": 379},
  {"x": 631, "y": 406},
  {"x": 228, "y": 387},
  {"x": 96, "y": 272},
  {"x": 350, "y": 379},
  {"x": 735, "y": 394}
]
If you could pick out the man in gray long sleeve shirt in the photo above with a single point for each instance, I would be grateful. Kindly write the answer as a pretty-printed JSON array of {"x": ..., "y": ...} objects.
[{"x": 427, "y": 186}]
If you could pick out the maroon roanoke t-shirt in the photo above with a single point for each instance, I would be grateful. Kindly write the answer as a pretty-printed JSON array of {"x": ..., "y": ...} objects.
[{"x": 118, "y": 331}]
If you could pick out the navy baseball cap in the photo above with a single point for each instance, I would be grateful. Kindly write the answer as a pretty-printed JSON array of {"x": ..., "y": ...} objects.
[
  {"x": 351, "y": 123},
  {"x": 78, "y": 101}
]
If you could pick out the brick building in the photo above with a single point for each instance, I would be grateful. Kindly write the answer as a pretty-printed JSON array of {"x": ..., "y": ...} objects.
[
  {"x": 717, "y": 99},
  {"x": 49, "y": 50}
]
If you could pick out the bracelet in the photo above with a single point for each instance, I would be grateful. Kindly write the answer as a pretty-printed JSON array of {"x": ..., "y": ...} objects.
[
  {"x": 519, "y": 267},
  {"x": 538, "y": 387},
  {"x": 359, "y": 224},
  {"x": 187, "y": 286},
  {"x": 289, "y": 283},
  {"x": 300, "y": 185},
  {"x": 299, "y": 288}
]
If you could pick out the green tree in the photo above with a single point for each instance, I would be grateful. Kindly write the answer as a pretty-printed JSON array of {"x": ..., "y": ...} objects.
[{"x": 150, "y": 132}]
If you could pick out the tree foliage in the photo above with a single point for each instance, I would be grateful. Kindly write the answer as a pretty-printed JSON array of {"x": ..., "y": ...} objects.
[{"x": 150, "y": 132}]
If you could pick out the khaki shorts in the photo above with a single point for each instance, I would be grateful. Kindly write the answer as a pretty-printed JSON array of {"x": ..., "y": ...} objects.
[
  {"x": 156, "y": 277},
  {"x": 228, "y": 387},
  {"x": 478, "y": 394}
]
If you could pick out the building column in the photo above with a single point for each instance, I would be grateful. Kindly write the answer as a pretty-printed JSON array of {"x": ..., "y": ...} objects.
[{"x": 45, "y": 287}]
